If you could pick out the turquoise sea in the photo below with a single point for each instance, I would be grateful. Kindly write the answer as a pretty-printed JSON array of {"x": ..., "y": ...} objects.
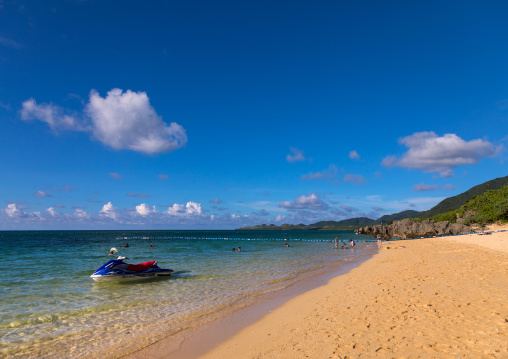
[{"x": 51, "y": 308}]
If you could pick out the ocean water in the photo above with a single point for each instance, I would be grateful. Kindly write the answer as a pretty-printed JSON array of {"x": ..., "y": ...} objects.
[{"x": 51, "y": 308}]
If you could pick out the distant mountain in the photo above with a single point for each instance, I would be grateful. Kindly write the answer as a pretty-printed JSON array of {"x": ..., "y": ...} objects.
[
  {"x": 448, "y": 204},
  {"x": 350, "y": 223},
  {"x": 398, "y": 216}
]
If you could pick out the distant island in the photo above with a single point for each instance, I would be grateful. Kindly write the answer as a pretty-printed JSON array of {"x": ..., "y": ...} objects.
[{"x": 444, "y": 210}]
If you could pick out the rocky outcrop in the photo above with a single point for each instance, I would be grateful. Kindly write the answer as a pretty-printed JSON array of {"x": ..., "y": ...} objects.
[{"x": 408, "y": 228}]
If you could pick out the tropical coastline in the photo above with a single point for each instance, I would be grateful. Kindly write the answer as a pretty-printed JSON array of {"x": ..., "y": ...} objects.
[
  {"x": 52, "y": 307},
  {"x": 431, "y": 297},
  {"x": 245, "y": 179}
]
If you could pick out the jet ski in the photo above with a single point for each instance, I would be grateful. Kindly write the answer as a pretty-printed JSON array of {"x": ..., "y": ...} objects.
[{"x": 117, "y": 270}]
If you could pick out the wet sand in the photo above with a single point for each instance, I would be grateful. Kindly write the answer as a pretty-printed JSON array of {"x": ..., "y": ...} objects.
[{"x": 439, "y": 297}]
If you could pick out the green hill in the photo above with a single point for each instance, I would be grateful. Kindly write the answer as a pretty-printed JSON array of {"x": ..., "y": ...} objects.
[
  {"x": 323, "y": 225},
  {"x": 398, "y": 216},
  {"x": 489, "y": 207},
  {"x": 457, "y": 201}
]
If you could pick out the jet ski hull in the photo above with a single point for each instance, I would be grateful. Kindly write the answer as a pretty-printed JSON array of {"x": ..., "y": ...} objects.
[
  {"x": 129, "y": 277},
  {"x": 117, "y": 270}
]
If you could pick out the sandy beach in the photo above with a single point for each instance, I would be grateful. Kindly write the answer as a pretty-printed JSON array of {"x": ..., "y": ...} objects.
[
  {"x": 429, "y": 298},
  {"x": 439, "y": 297}
]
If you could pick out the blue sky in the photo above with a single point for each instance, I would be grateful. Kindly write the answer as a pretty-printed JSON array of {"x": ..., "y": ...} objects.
[{"x": 217, "y": 115}]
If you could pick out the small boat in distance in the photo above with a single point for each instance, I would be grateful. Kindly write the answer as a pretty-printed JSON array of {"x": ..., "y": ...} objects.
[{"x": 117, "y": 270}]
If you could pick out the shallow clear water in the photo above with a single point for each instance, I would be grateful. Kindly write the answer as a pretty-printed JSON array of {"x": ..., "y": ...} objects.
[{"x": 50, "y": 307}]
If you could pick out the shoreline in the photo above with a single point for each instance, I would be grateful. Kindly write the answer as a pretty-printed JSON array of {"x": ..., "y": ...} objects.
[
  {"x": 428, "y": 297},
  {"x": 191, "y": 344}
]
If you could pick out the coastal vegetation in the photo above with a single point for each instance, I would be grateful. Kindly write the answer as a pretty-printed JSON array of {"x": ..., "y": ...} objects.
[{"x": 492, "y": 206}]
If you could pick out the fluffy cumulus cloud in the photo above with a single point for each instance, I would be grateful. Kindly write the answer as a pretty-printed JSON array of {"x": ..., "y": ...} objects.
[
  {"x": 79, "y": 213},
  {"x": 184, "y": 216},
  {"x": 121, "y": 120},
  {"x": 52, "y": 212},
  {"x": 310, "y": 202},
  {"x": 145, "y": 210},
  {"x": 422, "y": 187},
  {"x": 295, "y": 155},
  {"x": 126, "y": 120},
  {"x": 109, "y": 211},
  {"x": 13, "y": 211},
  {"x": 430, "y": 153},
  {"x": 191, "y": 209}
]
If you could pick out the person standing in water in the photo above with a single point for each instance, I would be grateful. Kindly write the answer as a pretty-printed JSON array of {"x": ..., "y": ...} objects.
[
  {"x": 352, "y": 243},
  {"x": 336, "y": 242}
]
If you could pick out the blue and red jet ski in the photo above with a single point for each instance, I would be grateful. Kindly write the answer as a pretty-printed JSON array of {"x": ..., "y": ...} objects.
[{"x": 116, "y": 269}]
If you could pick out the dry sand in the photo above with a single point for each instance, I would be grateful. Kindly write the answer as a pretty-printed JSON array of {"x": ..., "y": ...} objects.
[{"x": 435, "y": 298}]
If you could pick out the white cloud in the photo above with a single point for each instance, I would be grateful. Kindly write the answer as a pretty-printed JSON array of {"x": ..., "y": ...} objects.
[
  {"x": 115, "y": 175},
  {"x": 126, "y": 120},
  {"x": 163, "y": 177},
  {"x": 53, "y": 115},
  {"x": 422, "y": 187},
  {"x": 110, "y": 212},
  {"x": 295, "y": 155},
  {"x": 280, "y": 218},
  {"x": 81, "y": 214},
  {"x": 121, "y": 120},
  {"x": 354, "y": 155},
  {"x": 52, "y": 212},
  {"x": 310, "y": 202},
  {"x": 144, "y": 209},
  {"x": 176, "y": 210},
  {"x": 191, "y": 209},
  {"x": 216, "y": 200},
  {"x": 430, "y": 153},
  {"x": 13, "y": 211}
]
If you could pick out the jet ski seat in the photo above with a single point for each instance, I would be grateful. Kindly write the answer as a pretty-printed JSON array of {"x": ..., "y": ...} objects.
[{"x": 141, "y": 266}]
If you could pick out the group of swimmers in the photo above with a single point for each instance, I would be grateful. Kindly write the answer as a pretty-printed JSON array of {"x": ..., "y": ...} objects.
[
  {"x": 351, "y": 243},
  {"x": 239, "y": 249}
]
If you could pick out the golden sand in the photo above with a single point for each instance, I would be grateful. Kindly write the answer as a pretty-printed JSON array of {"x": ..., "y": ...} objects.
[{"x": 434, "y": 298}]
